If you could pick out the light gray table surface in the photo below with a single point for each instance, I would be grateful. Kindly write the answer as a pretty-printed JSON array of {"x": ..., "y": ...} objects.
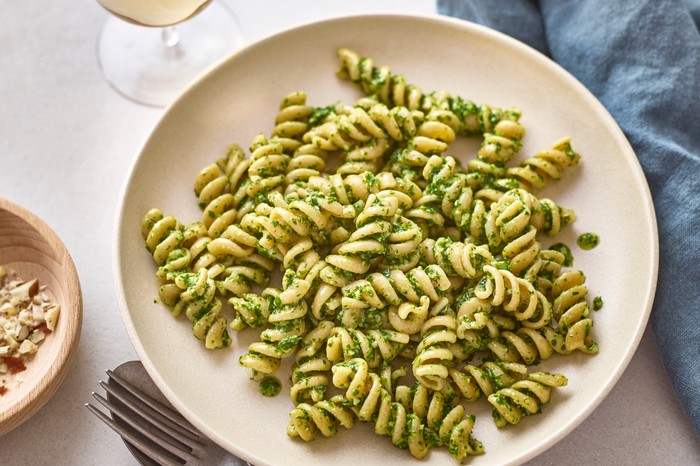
[{"x": 67, "y": 142}]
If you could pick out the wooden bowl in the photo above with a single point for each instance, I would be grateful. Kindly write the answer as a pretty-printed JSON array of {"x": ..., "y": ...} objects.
[{"x": 31, "y": 248}]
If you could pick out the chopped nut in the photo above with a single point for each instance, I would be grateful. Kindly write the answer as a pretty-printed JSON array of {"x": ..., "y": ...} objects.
[
  {"x": 26, "y": 316},
  {"x": 37, "y": 313},
  {"x": 27, "y": 347},
  {"x": 8, "y": 309},
  {"x": 23, "y": 333},
  {"x": 11, "y": 341},
  {"x": 26, "y": 290},
  {"x": 37, "y": 336},
  {"x": 51, "y": 316}
]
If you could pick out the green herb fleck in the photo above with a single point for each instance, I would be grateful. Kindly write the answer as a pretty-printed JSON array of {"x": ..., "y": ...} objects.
[
  {"x": 270, "y": 386},
  {"x": 597, "y": 303},
  {"x": 588, "y": 241}
]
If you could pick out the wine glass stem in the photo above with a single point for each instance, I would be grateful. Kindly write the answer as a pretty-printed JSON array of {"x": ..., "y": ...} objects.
[{"x": 170, "y": 36}]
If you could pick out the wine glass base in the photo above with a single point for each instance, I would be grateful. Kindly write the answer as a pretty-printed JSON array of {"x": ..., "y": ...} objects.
[{"x": 140, "y": 65}]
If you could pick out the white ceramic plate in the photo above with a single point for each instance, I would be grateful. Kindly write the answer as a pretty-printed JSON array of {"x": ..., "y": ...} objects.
[{"x": 239, "y": 98}]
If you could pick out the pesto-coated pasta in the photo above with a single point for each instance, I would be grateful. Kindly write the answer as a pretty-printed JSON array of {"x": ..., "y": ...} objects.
[
  {"x": 398, "y": 282},
  {"x": 455, "y": 257},
  {"x": 473, "y": 382},
  {"x": 374, "y": 346},
  {"x": 545, "y": 164},
  {"x": 309, "y": 381},
  {"x": 467, "y": 117},
  {"x": 323, "y": 416},
  {"x": 524, "y": 397},
  {"x": 292, "y": 119},
  {"x": 434, "y": 353},
  {"x": 441, "y": 421}
]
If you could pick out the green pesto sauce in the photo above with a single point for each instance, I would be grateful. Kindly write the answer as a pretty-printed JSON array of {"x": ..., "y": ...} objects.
[
  {"x": 270, "y": 386},
  {"x": 502, "y": 264},
  {"x": 588, "y": 241},
  {"x": 597, "y": 303},
  {"x": 564, "y": 249}
]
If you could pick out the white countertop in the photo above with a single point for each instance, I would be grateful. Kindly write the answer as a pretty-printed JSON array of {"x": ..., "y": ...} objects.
[{"x": 67, "y": 142}]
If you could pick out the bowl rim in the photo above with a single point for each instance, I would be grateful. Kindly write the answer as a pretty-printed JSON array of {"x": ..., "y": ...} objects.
[{"x": 37, "y": 395}]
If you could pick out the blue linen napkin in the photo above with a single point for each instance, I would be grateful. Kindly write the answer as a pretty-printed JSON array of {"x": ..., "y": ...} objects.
[{"x": 641, "y": 58}]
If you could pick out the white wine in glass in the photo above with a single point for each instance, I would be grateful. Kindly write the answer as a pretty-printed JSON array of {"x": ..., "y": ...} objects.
[{"x": 149, "y": 50}]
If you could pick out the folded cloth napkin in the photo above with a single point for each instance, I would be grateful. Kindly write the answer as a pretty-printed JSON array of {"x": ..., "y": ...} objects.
[{"x": 641, "y": 58}]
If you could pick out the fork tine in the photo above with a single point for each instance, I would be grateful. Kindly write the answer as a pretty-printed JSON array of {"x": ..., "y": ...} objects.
[
  {"x": 163, "y": 410},
  {"x": 160, "y": 440},
  {"x": 150, "y": 413},
  {"x": 135, "y": 441}
]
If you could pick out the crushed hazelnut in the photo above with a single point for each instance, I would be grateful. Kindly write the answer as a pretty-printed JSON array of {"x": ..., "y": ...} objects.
[{"x": 26, "y": 316}]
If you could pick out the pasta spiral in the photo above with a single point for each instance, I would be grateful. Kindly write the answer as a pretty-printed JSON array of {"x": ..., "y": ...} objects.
[
  {"x": 435, "y": 421},
  {"x": 474, "y": 313},
  {"x": 391, "y": 419},
  {"x": 291, "y": 122},
  {"x": 166, "y": 241},
  {"x": 434, "y": 354},
  {"x": 268, "y": 164},
  {"x": 366, "y": 242},
  {"x": 221, "y": 190},
  {"x": 432, "y": 139},
  {"x": 280, "y": 341},
  {"x": 306, "y": 162},
  {"x": 393, "y": 90},
  {"x": 524, "y": 397},
  {"x": 528, "y": 345},
  {"x": 232, "y": 260},
  {"x": 251, "y": 310},
  {"x": 501, "y": 145},
  {"x": 368, "y": 157},
  {"x": 403, "y": 252},
  {"x": 456, "y": 258},
  {"x": 188, "y": 256},
  {"x": 479, "y": 118},
  {"x": 284, "y": 221},
  {"x": 408, "y": 317},
  {"x": 503, "y": 288},
  {"x": 202, "y": 308},
  {"x": 546, "y": 164},
  {"x": 246, "y": 272},
  {"x": 513, "y": 220},
  {"x": 232, "y": 242},
  {"x": 354, "y": 188},
  {"x": 365, "y": 125},
  {"x": 395, "y": 286},
  {"x": 473, "y": 382},
  {"x": 552, "y": 263},
  {"x": 449, "y": 192},
  {"x": 352, "y": 375},
  {"x": 374, "y": 346},
  {"x": 323, "y": 416},
  {"x": 162, "y": 234},
  {"x": 308, "y": 372},
  {"x": 571, "y": 311}
]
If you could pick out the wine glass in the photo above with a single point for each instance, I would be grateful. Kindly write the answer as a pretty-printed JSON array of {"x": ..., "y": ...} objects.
[{"x": 149, "y": 50}]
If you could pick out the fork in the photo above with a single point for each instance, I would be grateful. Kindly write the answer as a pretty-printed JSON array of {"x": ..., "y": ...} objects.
[{"x": 158, "y": 432}]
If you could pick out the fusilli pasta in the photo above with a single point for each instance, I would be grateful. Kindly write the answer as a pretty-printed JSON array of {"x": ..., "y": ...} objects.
[{"x": 398, "y": 262}]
